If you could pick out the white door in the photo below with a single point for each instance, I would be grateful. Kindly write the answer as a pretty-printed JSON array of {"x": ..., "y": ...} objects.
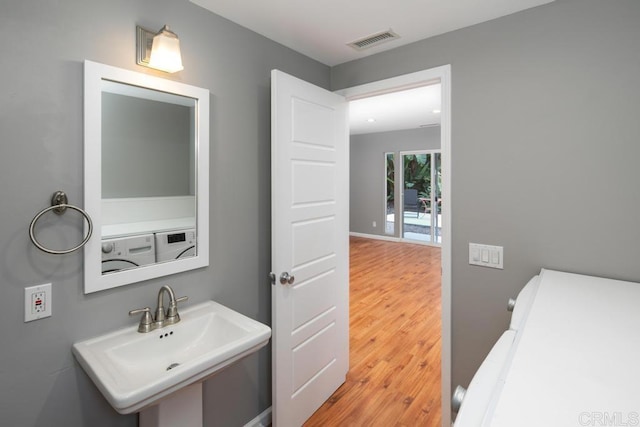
[{"x": 310, "y": 243}]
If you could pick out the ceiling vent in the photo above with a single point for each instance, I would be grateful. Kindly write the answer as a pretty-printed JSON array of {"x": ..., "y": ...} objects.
[{"x": 373, "y": 40}]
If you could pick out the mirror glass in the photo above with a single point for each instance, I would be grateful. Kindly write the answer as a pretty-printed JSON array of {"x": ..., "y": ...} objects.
[{"x": 146, "y": 176}]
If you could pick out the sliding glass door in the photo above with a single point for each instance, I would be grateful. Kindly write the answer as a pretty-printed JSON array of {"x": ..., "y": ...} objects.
[
  {"x": 421, "y": 196},
  {"x": 389, "y": 200}
]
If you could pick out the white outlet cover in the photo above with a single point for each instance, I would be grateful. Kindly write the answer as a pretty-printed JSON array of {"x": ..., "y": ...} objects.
[{"x": 30, "y": 311}]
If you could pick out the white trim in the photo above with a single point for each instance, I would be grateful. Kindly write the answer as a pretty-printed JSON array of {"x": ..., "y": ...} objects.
[
  {"x": 374, "y": 236},
  {"x": 392, "y": 239},
  {"x": 395, "y": 84},
  {"x": 407, "y": 81},
  {"x": 262, "y": 420}
]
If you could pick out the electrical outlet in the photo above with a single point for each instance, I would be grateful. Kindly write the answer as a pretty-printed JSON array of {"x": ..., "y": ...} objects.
[
  {"x": 37, "y": 302},
  {"x": 374, "y": 224}
]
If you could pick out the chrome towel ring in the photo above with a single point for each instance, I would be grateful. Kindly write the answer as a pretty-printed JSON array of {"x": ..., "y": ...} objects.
[{"x": 59, "y": 205}]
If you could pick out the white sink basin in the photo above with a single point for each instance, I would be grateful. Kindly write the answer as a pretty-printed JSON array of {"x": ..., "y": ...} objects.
[{"x": 134, "y": 370}]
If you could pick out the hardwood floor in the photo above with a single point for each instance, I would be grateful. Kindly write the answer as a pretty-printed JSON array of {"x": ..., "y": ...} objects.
[{"x": 394, "y": 376}]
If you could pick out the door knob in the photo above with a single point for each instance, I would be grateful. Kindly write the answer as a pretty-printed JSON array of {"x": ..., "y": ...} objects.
[{"x": 286, "y": 278}]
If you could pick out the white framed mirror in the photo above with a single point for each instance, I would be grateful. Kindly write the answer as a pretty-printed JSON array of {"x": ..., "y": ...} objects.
[{"x": 146, "y": 176}]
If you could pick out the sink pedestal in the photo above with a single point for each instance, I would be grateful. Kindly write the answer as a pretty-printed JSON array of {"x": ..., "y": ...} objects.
[{"x": 182, "y": 408}]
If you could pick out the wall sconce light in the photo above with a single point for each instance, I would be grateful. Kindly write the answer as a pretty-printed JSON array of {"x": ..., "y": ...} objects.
[{"x": 159, "y": 50}]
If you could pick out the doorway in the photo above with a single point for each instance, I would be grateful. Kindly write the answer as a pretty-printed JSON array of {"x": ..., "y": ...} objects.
[
  {"x": 441, "y": 75},
  {"x": 325, "y": 135}
]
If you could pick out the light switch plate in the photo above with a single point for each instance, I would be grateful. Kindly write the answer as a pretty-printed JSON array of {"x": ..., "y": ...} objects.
[{"x": 486, "y": 255}]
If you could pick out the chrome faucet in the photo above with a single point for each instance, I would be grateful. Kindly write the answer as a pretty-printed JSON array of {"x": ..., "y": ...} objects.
[{"x": 162, "y": 318}]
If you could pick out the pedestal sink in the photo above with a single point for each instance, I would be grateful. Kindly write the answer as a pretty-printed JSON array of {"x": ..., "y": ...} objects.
[{"x": 146, "y": 371}]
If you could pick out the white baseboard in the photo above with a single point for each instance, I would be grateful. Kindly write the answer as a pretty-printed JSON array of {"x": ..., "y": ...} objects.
[
  {"x": 392, "y": 239},
  {"x": 375, "y": 236},
  {"x": 262, "y": 420}
]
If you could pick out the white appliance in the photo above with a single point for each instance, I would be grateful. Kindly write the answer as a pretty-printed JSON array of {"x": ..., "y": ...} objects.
[
  {"x": 567, "y": 359},
  {"x": 127, "y": 252},
  {"x": 175, "y": 244}
]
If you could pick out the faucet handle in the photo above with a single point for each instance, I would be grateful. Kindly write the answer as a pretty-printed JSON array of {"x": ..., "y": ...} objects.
[
  {"x": 146, "y": 322},
  {"x": 172, "y": 311}
]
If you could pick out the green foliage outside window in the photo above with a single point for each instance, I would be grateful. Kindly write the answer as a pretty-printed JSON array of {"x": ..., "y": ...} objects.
[{"x": 417, "y": 174}]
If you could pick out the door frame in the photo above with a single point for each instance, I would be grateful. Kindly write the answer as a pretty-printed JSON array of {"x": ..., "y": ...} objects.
[{"x": 440, "y": 75}]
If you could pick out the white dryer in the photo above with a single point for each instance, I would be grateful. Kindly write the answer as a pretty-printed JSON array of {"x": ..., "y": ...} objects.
[
  {"x": 127, "y": 252},
  {"x": 175, "y": 244}
]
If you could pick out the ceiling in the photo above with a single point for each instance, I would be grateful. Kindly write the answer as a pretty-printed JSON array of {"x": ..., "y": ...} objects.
[
  {"x": 322, "y": 29},
  {"x": 408, "y": 109}
]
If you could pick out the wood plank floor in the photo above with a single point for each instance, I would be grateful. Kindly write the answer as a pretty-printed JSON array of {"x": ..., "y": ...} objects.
[{"x": 394, "y": 376}]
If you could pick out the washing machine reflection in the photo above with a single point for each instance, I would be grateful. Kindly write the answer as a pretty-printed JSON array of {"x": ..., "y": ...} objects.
[
  {"x": 175, "y": 244},
  {"x": 127, "y": 252}
]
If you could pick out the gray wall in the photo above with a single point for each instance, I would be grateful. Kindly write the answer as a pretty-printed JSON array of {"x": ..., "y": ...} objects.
[
  {"x": 41, "y": 151},
  {"x": 545, "y": 141},
  {"x": 367, "y": 173}
]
